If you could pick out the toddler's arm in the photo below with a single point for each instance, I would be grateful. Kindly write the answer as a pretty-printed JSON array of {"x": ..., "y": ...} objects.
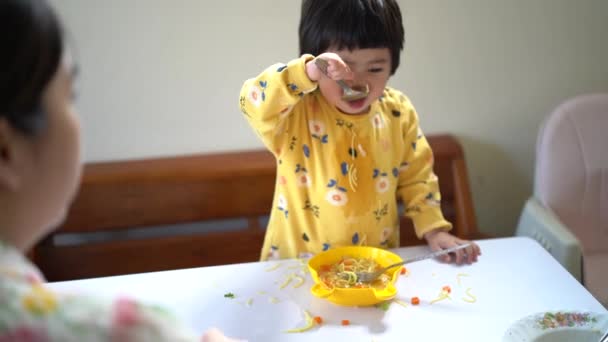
[
  {"x": 418, "y": 185},
  {"x": 268, "y": 100},
  {"x": 419, "y": 190}
]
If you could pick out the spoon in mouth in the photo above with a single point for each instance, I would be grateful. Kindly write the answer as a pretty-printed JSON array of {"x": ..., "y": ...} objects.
[{"x": 349, "y": 94}]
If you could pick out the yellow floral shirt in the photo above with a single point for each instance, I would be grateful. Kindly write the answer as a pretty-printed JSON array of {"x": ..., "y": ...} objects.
[
  {"x": 31, "y": 312},
  {"x": 338, "y": 175}
]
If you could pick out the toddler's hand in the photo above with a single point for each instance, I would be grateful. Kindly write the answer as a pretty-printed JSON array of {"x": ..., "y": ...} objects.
[
  {"x": 336, "y": 69},
  {"x": 439, "y": 239},
  {"x": 214, "y": 335}
]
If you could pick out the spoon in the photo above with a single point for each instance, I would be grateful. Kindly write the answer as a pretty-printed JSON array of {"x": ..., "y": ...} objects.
[{"x": 349, "y": 94}]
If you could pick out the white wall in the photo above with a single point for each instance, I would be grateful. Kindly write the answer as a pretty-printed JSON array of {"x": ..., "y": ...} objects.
[{"x": 162, "y": 77}]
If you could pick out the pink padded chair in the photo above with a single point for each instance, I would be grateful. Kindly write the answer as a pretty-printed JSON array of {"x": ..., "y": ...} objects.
[{"x": 568, "y": 213}]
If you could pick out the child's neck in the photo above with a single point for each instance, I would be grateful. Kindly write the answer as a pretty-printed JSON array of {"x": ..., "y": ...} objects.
[
  {"x": 11, "y": 240},
  {"x": 12, "y": 232}
]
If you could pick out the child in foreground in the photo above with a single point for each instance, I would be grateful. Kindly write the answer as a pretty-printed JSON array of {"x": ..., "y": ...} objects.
[{"x": 39, "y": 174}]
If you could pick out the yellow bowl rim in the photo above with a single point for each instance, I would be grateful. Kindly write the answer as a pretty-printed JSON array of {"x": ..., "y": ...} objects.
[{"x": 378, "y": 293}]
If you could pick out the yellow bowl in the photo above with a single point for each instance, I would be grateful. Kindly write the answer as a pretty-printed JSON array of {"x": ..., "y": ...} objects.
[{"x": 354, "y": 296}]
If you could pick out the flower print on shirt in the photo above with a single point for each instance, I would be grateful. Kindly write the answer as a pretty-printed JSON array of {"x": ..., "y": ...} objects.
[
  {"x": 355, "y": 239},
  {"x": 29, "y": 311},
  {"x": 431, "y": 200},
  {"x": 345, "y": 168},
  {"x": 395, "y": 172},
  {"x": 337, "y": 194},
  {"x": 383, "y": 182},
  {"x": 295, "y": 89},
  {"x": 344, "y": 124},
  {"x": 24, "y": 333},
  {"x": 305, "y": 237},
  {"x": 302, "y": 177},
  {"x": 381, "y": 212},
  {"x": 282, "y": 205},
  {"x": 306, "y": 150},
  {"x": 39, "y": 300},
  {"x": 256, "y": 94},
  {"x": 281, "y": 180},
  {"x": 126, "y": 314},
  {"x": 336, "y": 197},
  {"x": 377, "y": 120},
  {"x": 242, "y": 101},
  {"x": 385, "y": 235},
  {"x": 273, "y": 254},
  {"x": 292, "y": 142},
  {"x": 317, "y": 130},
  {"x": 314, "y": 209},
  {"x": 303, "y": 180}
]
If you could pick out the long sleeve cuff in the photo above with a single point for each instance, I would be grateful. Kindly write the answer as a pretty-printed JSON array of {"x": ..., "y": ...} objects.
[
  {"x": 430, "y": 219},
  {"x": 298, "y": 73}
]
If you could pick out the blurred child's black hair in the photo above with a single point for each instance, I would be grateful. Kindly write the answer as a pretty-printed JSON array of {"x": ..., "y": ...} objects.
[{"x": 31, "y": 45}]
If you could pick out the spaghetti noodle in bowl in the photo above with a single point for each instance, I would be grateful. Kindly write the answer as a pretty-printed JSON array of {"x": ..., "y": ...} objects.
[{"x": 354, "y": 296}]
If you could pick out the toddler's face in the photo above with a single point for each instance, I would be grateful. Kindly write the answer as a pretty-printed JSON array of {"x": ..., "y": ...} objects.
[
  {"x": 53, "y": 172},
  {"x": 371, "y": 67}
]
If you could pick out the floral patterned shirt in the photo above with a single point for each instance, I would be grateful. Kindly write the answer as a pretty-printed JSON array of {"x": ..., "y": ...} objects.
[
  {"x": 30, "y": 312},
  {"x": 339, "y": 175}
]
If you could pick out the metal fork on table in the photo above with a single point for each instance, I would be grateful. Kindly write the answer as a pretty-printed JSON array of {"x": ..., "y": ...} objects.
[{"x": 368, "y": 277}]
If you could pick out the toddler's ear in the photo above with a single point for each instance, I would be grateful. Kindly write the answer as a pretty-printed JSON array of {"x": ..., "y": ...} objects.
[{"x": 9, "y": 177}]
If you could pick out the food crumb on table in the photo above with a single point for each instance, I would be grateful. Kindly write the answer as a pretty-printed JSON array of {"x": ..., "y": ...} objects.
[{"x": 471, "y": 298}]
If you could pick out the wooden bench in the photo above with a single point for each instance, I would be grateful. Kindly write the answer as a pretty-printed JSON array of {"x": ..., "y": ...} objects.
[{"x": 115, "y": 197}]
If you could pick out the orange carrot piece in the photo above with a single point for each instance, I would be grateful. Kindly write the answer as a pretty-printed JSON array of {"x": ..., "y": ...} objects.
[
  {"x": 318, "y": 320},
  {"x": 345, "y": 322},
  {"x": 447, "y": 289},
  {"x": 403, "y": 270},
  {"x": 415, "y": 300}
]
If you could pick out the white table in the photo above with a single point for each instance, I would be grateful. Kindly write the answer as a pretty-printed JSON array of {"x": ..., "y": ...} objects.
[{"x": 513, "y": 278}]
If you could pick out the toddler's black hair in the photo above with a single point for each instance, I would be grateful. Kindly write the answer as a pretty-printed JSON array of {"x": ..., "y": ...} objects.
[{"x": 351, "y": 24}]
